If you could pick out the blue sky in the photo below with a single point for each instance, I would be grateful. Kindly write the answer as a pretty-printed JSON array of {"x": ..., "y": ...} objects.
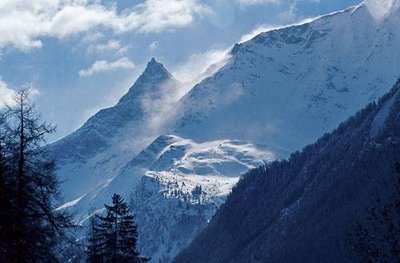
[{"x": 82, "y": 55}]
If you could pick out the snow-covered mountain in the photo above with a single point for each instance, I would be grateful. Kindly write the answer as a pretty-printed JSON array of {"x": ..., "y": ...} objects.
[
  {"x": 306, "y": 208},
  {"x": 112, "y": 137},
  {"x": 288, "y": 86},
  {"x": 274, "y": 94},
  {"x": 172, "y": 182}
]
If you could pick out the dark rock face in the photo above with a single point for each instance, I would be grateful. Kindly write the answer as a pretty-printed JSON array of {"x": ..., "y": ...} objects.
[{"x": 303, "y": 209}]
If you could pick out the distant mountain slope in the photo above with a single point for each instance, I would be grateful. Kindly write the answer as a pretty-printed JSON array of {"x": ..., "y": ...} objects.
[
  {"x": 302, "y": 209},
  {"x": 112, "y": 137},
  {"x": 282, "y": 89},
  {"x": 169, "y": 180},
  {"x": 276, "y": 92},
  {"x": 286, "y": 87},
  {"x": 175, "y": 185}
]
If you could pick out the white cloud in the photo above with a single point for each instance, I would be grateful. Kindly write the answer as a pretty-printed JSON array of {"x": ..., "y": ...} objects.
[
  {"x": 256, "y": 2},
  {"x": 93, "y": 37},
  {"x": 157, "y": 15},
  {"x": 153, "y": 46},
  {"x": 23, "y": 23},
  {"x": 112, "y": 45},
  {"x": 103, "y": 66},
  {"x": 6, "y": 94},
  {"x": 245, "y": 3}
]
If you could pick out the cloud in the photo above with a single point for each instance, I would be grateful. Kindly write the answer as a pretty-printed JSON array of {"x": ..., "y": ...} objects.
[
  {"x": 93, "y": 37},
  {"x": 6, "y": 94},
  {"x": 256, "y": 2},
  {"x": 245, "y": 3},
  {"x": 153, "y": 46},
  {"x": 157, "y": 15},
  {"x": 23, "y": 23},
  {"x": 111, "y": 45},
  {"x": 289, "y": 8},
  {"x": 103, "y": 66}
]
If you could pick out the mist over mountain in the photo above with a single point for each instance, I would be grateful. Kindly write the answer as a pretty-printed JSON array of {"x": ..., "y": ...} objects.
[
  {"x": 175, "y": 151},
  {"x": 113, "y": 136}
]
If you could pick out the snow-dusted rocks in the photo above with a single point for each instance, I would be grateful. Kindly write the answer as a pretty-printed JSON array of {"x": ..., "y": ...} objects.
[
  {"x": 107, "y": 141},
  {"x": 286, "y": 87},
  {"x": 174, "y": 185},
  {"x": 275, "y": 93}
]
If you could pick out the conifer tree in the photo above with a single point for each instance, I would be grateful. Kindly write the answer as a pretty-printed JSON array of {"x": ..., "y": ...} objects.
[
  {"x": 31, "y": 185},
  {"x": 114, "y": 237},
  {"x": 95, "y": 242}
]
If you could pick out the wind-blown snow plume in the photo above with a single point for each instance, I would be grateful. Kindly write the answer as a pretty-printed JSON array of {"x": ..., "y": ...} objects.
[
  {"x": 160, "y": 106},
  {"x": 380, "y": 9},
  {"x": 200, "y": 65}
]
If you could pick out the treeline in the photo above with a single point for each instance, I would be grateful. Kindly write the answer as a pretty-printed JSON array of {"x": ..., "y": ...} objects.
[{"x": 32, "y": 229}]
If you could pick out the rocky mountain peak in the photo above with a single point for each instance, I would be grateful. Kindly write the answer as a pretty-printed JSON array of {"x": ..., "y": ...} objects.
[{"x": 149, "y": 81}]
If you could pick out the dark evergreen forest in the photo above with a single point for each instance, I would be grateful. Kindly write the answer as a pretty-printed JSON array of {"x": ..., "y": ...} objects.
[{"x": 306, "y": 208}]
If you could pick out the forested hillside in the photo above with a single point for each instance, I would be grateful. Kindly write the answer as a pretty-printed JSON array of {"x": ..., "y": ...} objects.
[{"x": 304, "y": 209}]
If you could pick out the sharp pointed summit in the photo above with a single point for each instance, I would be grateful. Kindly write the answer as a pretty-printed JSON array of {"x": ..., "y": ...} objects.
[
  {"x": 156, "y": 69},
  {"x": 113, "y": 126},
  {"x": 149, "y": 81},
  {"x": 278, "y": 91}
]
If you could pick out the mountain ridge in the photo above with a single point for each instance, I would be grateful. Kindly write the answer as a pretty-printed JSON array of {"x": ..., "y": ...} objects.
[
  {"x": 111, "y": 137},
  {"x": 311, "y": 59},
  {"x": 273, "y": 95},
  {"x": 303, "y": 208},
  {"x": 171, "y": 181}
]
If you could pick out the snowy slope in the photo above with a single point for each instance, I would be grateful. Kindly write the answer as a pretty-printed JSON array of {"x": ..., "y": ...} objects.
[
  {"x": 174, "y": 179},
  {"x": 288, "y": 86},
  {"x": 176, "y": 183},
  {"x": 306, "y": 208},
  {"x": 93, "y": 154},
  {"x": 274, "y": 94},
  {"x": 283, "y": 89}
]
